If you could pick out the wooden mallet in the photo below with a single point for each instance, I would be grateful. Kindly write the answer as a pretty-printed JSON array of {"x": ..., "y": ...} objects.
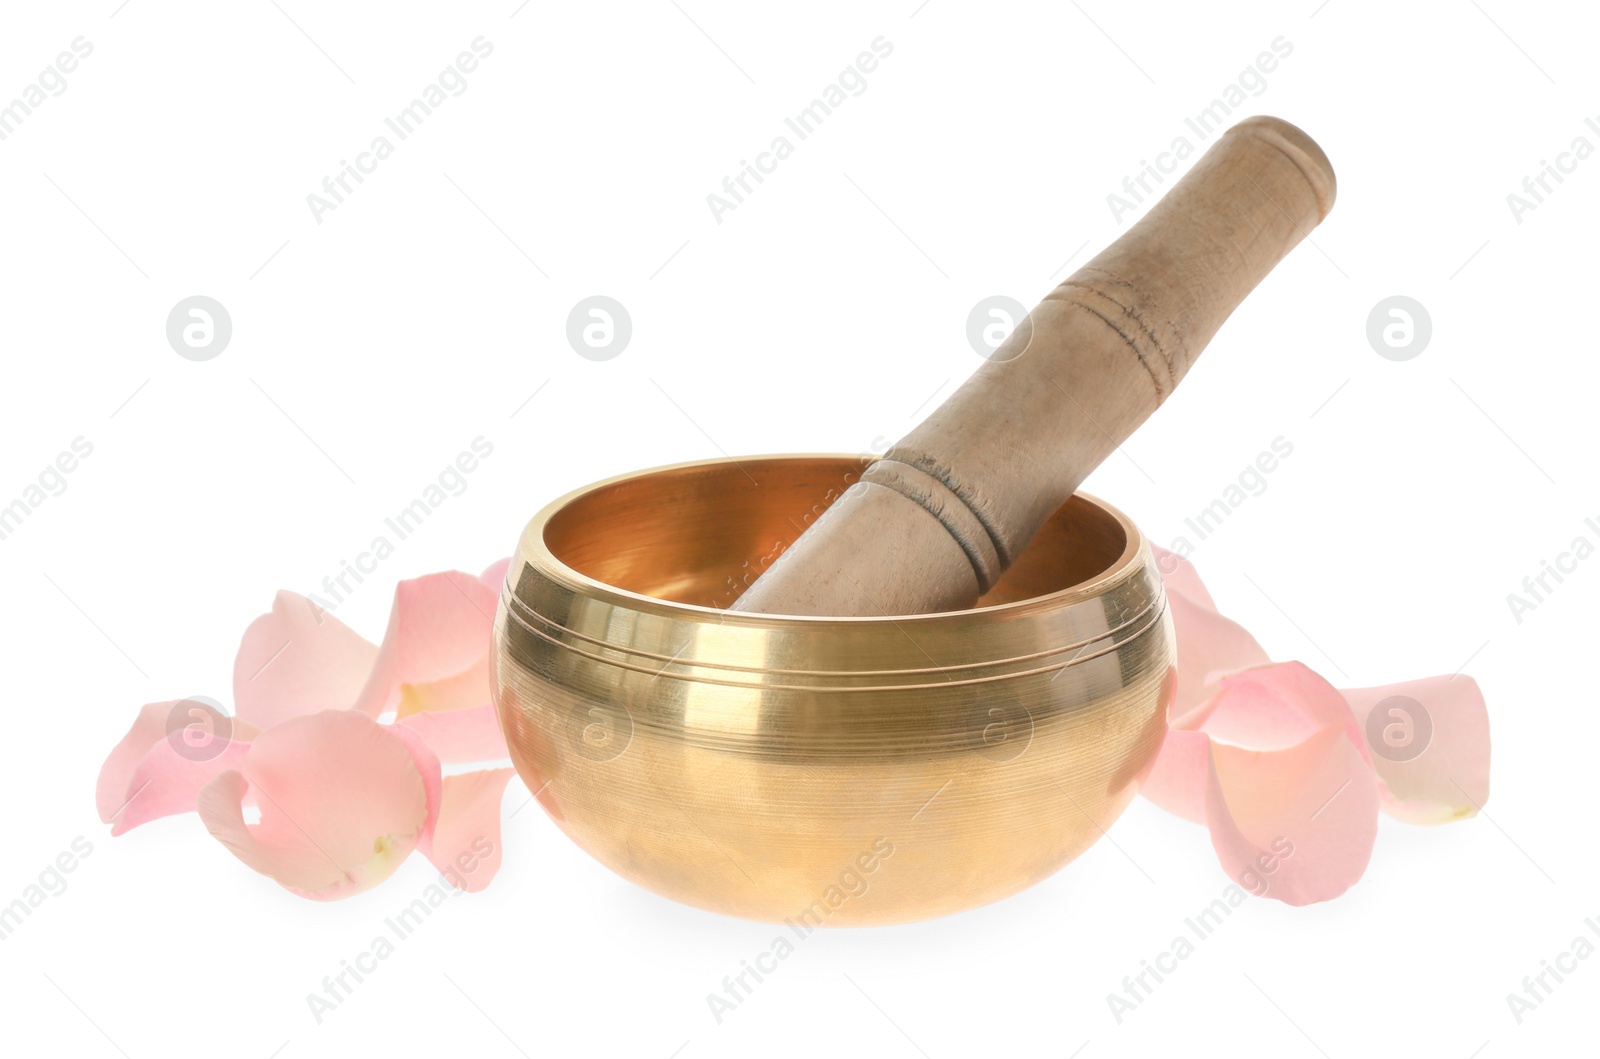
[{"x": 934, "y": 523}]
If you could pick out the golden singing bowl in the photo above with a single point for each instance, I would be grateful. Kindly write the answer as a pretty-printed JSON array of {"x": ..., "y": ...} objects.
[{"x": 823, "y": 771}]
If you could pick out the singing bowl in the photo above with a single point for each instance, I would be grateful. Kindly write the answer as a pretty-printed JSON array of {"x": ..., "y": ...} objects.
[{"x": 821, "y": 771}]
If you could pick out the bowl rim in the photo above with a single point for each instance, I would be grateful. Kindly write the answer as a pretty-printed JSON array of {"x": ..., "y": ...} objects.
[{"x": 533, "y": 551}]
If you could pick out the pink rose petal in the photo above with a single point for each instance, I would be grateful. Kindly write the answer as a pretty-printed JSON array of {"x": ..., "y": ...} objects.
[
  {"x": 1179, "y": 575},
  {"x": 296, "y": 660},
  {"x": 168, "y": 782},
  {"x": 342, "y": 804},
  {"x": 465, "y": 845},
  {"x": 1288, "y": 771},
  {"x": 1295, "y": 824},
  {"x": 1177, "y": 778},
  {"x": 149, "y": 728},
  {"x": 460, "y": 736},
  {"x": 435, "y": 654},
  {"x": 1209, "y": 645},
  {"x": 427, "y": 764},
  {"x": 145, "y": 768},
  {"x": 1273, "y": 707},
  {"x": 1432, "y": 767},
  {"x": 495, "y": 575}
]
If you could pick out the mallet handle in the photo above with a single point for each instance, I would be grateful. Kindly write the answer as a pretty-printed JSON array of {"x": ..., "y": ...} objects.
[{"x": 933, "y": 523}]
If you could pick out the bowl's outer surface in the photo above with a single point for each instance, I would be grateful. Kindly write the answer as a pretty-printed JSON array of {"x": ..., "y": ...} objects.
[{"x": 814, "y": 770}]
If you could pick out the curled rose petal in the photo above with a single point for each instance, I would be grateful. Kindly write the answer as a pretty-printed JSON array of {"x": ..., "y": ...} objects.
[
  {"x": 169, "y": 780},
  {"x": 111, "y": 790},
  {"x": 1179, "y": 575},
  {"x": 1209, "y": 645},
  {"x": 1271, "y": 763},
  {"x": 427, "y": 764},
  {"x": 157, "y": 769},
  {"x": 1287, "y": 772},
  {"x": 298, "y": 659},
  {"x": 1273, "y": 707},
  {"x": 1296, "y": 824},
  {"x": 1429, "y": 744},
  {"x": 1177, "y": 778},
  {"x": 435, "y": 654},
  {"x": 460, "y": 736},
  {"x": 465, "y": 845},
  {"x": 342, "y": 804}
]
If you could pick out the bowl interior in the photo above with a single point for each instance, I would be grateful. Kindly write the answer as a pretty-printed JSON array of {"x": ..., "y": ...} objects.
[{"x": 699, "y": 534}]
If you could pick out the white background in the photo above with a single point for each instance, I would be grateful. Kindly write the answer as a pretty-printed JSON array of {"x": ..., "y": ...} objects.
[{"x": 820, "y": 315}]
